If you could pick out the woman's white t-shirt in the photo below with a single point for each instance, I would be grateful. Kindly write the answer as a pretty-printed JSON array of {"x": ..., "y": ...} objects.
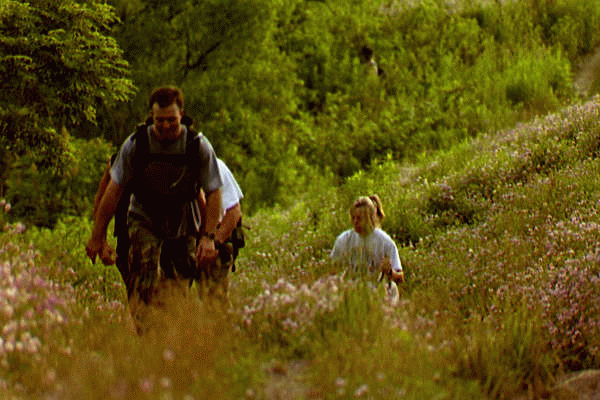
[
  {"x": 231, "y": 194},
  {"x": 364, "y": 254}
]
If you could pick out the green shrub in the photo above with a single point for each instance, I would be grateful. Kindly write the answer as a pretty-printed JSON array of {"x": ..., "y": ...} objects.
[{"x": 41, "y": 196}]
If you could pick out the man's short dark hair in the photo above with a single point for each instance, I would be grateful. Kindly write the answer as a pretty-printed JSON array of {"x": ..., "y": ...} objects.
[
  {"x": 367, "y": 52},
  {"x": 165, "y": 96}
]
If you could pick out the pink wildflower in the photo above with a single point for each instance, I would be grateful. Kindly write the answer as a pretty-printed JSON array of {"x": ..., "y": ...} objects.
[
  {"x": 8, "y": 311},
  {"x": 146, "y": 385},
  {"x": 50, "y": 377},
  {"x": 361, "y": 391},
  {"x": 340, "y": 382},
  {"x": 168, "y": 355},
  {"x": 19, "y": 228},
  {"x": 165, "y": 382}
]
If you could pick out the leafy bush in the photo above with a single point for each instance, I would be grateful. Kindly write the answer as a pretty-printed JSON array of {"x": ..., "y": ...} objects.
[
  {"x": 41, "y": 196},
  {"x": 49, "y": 80}
]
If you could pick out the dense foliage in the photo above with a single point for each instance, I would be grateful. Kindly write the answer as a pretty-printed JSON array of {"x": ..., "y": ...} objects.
[
  {"x": 282, "y": 94},
  {"x": 45, "y": 196},
  {"x": 59, "y": 65}
]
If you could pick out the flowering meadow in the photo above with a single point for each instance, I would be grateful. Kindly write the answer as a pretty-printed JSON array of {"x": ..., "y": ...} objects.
[{"x": 499, "y": 238}]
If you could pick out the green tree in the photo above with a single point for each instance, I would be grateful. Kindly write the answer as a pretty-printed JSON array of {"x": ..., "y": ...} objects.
[{"x": 58, "y": 66}]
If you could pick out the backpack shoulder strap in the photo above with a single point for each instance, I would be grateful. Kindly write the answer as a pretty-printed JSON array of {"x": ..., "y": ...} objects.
[
  {"x": 141, "y": 137},
  {"x": 192, "y": 148},
  {"x": 142, "y": 150}
]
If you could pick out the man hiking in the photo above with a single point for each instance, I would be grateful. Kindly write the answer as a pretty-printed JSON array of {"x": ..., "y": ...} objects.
[{"x": 167, "y": 167}]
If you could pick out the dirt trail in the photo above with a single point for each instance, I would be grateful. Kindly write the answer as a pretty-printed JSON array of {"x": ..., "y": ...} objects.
[{"x": 587, "y": 72}]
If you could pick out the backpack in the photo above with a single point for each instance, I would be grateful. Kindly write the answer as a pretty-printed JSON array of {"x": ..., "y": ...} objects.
[
  {"x": 237, "y": 240},
  {"x": 165, "y": 188}
]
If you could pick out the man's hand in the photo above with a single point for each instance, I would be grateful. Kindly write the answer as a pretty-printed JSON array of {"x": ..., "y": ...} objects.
[
  {"x": 94, "y": 247},
  {"x": 206, "y": 251},
  {"x": 108, "y": 255}
]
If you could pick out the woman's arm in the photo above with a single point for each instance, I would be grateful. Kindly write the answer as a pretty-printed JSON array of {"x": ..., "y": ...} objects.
[
  {"x": 228, "y": 223},
  {"x": 395, "y": 275},
  {"x": 391, "y": 265}
]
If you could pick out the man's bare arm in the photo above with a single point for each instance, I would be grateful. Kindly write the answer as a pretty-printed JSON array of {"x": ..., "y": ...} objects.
[
  {"x": 105, "y": 212},
  {"x": 101, "y": 188}
]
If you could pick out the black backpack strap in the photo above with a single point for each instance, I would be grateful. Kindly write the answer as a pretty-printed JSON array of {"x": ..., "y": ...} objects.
[
  {"x": 140, "y": 156},
  {"x": 142, "y": 147},
  {"x": 192, "y": 150},
  {"x": 120, "y": 228},
  {"x": 141, "y": 137},
  {"x": 187, "y": 121},
  {"x": 237, "y": 240},
  {"x": 192, "y": 144}
]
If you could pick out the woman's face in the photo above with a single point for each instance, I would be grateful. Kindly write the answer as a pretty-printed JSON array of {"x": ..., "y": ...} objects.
[{"x": 360, "y": 221}]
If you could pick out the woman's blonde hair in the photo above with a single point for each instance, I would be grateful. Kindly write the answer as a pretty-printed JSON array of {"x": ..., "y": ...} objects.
[{"x": 374, "y": 209}]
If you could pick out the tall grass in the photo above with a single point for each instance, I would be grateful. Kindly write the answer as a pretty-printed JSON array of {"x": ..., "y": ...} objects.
[
  {"x": 501, "y": 252},
  {"x": 499, "y": 239}
]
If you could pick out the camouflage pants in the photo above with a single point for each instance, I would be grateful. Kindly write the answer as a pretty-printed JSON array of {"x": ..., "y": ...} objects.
[
  {"x": 212, "y": 279},
  {"x": 122, "y": 261},
  {"x": 158, "y": 269}
]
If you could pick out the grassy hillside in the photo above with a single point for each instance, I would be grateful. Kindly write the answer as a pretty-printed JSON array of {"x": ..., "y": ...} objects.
[{"x": 500, "y": 244}]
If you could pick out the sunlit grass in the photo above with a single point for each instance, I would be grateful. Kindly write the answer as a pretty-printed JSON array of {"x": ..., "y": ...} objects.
[{"x": 497, "y": 305}]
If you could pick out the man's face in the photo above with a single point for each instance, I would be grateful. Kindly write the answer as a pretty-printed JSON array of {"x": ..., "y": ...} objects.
[{"x": 167, "y": 122}]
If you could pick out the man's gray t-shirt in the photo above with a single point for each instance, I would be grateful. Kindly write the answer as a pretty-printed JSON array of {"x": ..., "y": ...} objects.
[{"x": 209, "y": 178}]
